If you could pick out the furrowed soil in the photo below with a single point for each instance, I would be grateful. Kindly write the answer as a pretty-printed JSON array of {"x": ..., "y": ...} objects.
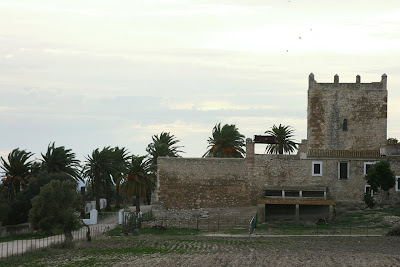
[{"x": 151, "y": 250}]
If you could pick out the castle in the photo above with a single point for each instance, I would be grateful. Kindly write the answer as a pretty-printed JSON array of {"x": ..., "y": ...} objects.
[{"x": 346, "y": 133}]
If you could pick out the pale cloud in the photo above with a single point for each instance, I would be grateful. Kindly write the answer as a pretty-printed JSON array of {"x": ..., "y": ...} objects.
[
  {"x": 4, "y": 154},
  {"x": 91, "y": 74},
  {"x": 219, "y": 105}
]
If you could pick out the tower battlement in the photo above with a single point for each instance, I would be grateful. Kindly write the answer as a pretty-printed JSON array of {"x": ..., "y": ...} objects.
[
  {"x": 347, "y": 116},
  {"x": 313, "y": 84}
]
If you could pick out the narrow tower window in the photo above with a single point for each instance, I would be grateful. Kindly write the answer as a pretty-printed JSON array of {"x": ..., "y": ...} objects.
[{"x": 345, "y": 125}]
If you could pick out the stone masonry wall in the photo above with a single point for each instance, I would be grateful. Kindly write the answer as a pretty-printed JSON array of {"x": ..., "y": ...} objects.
[
  {"x": 217, "y": 183},
  {"x": 194, "y": 183},
  {"x": 284, "y": 170},
  {"x": 363, "y": 105}
]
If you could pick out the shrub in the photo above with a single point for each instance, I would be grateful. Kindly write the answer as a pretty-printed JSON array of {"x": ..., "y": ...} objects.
[{"x": 369, "y": 200}]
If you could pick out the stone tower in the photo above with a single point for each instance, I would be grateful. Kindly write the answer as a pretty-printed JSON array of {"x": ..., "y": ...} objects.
[{"x": 347, "y": 116}]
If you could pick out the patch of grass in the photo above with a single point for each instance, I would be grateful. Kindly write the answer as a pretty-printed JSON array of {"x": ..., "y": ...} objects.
[
  {"x": 115, "y": 231},
  {"x": 364, "y": 222},
  {"x": 31, "y": 258}
]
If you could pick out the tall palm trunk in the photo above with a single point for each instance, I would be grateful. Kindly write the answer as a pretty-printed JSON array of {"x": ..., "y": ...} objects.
[
  {"x": 97, "y": 193},
  {"x": 137, "y": 203},
  {"x": 280, "y": 148},
  {"x": 108, "y": 195}
]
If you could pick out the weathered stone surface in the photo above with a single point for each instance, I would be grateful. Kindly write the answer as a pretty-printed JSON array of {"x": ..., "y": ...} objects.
[{"x": 362, "y": 105}]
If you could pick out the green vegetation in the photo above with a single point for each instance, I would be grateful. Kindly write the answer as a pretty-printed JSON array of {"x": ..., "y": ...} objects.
[
  {"x": 369, "y": 200},
  {"x": 381, "y": 177},
  {"x": 283, "y": 135},
  {"x": 139, "y": 180},
  {"x": 358, "y": 222},
  {"x": 55, "y": 206},
  {"x": 17, "y": 171},
  {"x": 226, "y": 142},
  {"x": 162, "y": 146},
  {"x": 60, "y": 160}
]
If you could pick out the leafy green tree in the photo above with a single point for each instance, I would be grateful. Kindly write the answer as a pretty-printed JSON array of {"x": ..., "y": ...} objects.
[
  {"x": 120, "y": 165},
  {"x": 226, "y": 141},
  {"x": 98, "y": 169},
  {"x": 19, "y": 209},
  {"x": 59, "y": 159},
  {"x": 162, "y": 146},
  {"x": 138, "y": 180},
  {"x": 16, "y": 171},
  {"x": 285, "y": 143},
  {"x": 55, "y": 206},
  {"x": 381, "y": 177}
]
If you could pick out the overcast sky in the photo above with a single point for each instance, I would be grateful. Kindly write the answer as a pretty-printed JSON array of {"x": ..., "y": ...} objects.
[{"x": 89, "y": 74}]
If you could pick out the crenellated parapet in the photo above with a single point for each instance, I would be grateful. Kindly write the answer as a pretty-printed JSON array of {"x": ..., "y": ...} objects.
[
  {"x": 347, "y": 116},
  {"x": 314, "y": 85}
]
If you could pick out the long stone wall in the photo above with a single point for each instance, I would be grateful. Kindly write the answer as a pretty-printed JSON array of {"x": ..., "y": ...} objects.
[
  {"x": 193, "y": 183},
  {"x": 212, "y": 183}
]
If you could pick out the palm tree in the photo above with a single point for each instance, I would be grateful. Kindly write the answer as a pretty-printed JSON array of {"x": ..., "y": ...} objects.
[
  {"x": 225, "y": 142},
  {"x": 284, "y": 144},
  {"x": 162, "y": 146},
  {"x": 98, "y": 168},
  {"x": 17, "y": 171},
  {"x": 59, "y": 159},
  {"x": 120, "y": 161},
  {"x": 139, "y": 180}
]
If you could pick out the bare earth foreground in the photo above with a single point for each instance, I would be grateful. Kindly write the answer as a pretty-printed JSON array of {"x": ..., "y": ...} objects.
[{"x": 149, "y": 250}]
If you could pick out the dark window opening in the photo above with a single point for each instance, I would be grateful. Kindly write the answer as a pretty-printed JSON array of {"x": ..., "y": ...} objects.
[
  {"x": 273, "y": 193},
  {"x": 317, "y": 168},
  {"x": 317, "y": 194},
  {"x": 343, "y": 170},
  {"x": 345, "y": 125}
]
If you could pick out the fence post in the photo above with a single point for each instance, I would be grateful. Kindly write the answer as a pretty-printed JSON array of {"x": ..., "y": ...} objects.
[{"x": 197, "y": 222}]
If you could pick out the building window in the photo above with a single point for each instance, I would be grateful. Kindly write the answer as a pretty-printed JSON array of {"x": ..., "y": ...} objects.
[
  {"x": 316, "y": 168},
  {"x": 397, "y": 183},
  {"x": 367, "y": 165},
  {"x": 367, "y": 190},
  {"x": 343, "y": 170},
  {"x": 345, "y": 125}
]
